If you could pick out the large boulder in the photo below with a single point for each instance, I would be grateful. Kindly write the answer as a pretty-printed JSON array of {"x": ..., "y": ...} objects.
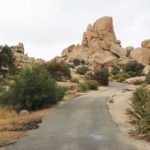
[
  {"x": 142, "y": 55},
  {"x": 146, "y": 44},
  {"x": 129, "y": 49},
  {"x": 104, "y": 59},
  {"x": 117, "y": 50},
  {"x": 134, "y": 79},
  {"x": 124, "y": 61},
  {"x": 104, "y": 27},
  {"x": 68, "y": 50},
  {"x": 146, "y": 70}
]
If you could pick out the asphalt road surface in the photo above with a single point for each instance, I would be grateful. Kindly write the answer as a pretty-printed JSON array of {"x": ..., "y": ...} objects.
[{"x": 83, "y": 123}]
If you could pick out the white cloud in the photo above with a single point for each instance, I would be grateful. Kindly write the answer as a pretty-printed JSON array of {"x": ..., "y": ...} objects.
[{"x": 46, "y": 27}]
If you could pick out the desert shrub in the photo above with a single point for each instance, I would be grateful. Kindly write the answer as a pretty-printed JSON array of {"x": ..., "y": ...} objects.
[
  {"x": 58, "y": 71},
  {"x": 138, "y": 82},
  {"x": 148, "y": 78},
  {"x": 115, "y": 70},
  {"x": 83, "y": 87},
  {"x": 133, "y": 68},
  {"x": 92, "y": 84},
  {"x": 102, "y": 76},
  {"x": 76, "y": 62},
  {"x": 33, "y": 89},
  {"x": 82, "y": 70},
  {"x": 60, "y": 92},
  {"x": 74, "y": 80},
  {"x": 141, "y": 110},
  {"x": 120, "y": 77}
]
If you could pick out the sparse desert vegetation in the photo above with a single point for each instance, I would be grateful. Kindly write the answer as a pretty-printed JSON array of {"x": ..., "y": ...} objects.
[{"x": 141, "y": 111}]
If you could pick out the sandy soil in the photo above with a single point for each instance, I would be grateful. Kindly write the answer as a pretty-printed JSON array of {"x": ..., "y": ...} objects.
[
  {"x": 14, "y": 126},
  {"x": 122, "y": 101}
]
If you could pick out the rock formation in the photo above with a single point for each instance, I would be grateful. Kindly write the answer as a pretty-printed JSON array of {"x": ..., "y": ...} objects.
[
  {"x": 142, "y": 54},
  {"x": 21, "y": 59},
  {"x": 99, "y": 46}
]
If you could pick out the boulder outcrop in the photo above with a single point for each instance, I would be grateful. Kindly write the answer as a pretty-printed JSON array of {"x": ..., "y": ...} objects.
[
  {"x": 99, "y": 45},
  {"x": 146, "y": 44},
  {"x": 22, "y": 59},
  {"x": 142, "y": 55}
]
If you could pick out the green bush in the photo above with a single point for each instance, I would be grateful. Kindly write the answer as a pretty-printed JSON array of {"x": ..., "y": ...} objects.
[
  {"x": 133, "y": 68},
  {"x": 141, "y": 111},
  {"x": 82, "y": 70},
  {"x": 7, "y": 62},
  {"x": 58, "y": 71},
  {"x": 76, "y": 62},
  {"x": 148, "y": 78},
  {"x": 120, "y": 77},
  {"x": 92, "y": 84},
  {"x": 115, "y": 70},
  {"x": 83, "y": 87},
  {"x": 60, "y": 92},
  {"x": 102, "y": 76},
  {"x": 74, "y": 80},
  {"x": 33, "y": 89}
]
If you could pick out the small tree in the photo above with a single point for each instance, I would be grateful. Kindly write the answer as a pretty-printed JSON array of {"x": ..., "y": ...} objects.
[
  {"x": 7, "y": 62},
  {"x": 102, "y": 76}
]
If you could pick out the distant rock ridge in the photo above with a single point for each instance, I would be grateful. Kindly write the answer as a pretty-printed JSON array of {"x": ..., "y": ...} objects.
[{"x": 100, "y": 47}]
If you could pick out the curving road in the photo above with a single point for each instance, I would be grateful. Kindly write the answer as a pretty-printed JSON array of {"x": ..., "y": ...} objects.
[{"x": 83, "y": 123}]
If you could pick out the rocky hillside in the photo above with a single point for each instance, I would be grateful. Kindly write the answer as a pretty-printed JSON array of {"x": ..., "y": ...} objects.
[{"x": 100, "y": 47}]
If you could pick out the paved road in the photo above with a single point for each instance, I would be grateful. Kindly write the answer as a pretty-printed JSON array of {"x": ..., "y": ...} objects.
[{"x": 82, "y": 123}]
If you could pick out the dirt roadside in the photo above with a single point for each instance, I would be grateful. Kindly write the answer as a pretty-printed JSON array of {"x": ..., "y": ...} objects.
[{"x": 120, "y": 102}]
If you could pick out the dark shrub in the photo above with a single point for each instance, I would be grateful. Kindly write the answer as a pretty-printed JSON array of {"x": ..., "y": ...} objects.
[
  {"x": 82, "y": 70},
  {"x": 133, "y": 68},
  {"x": 76, "y": 62},
  {"x": 58, "y": 71},
  {"x": 115, "y": 70},
  {"x": 102, "y": 76},
  {"x": 92, "y": 84},
  {"x": 7, "y": 61},
  {"x": 33, "y": 89}
]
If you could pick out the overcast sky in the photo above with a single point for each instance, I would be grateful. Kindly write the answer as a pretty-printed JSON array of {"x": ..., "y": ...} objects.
[{"x": 46, "y": 27}]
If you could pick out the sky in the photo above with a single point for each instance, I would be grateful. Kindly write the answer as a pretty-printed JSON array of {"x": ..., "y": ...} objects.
[{"x": 46, "y": 27}]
